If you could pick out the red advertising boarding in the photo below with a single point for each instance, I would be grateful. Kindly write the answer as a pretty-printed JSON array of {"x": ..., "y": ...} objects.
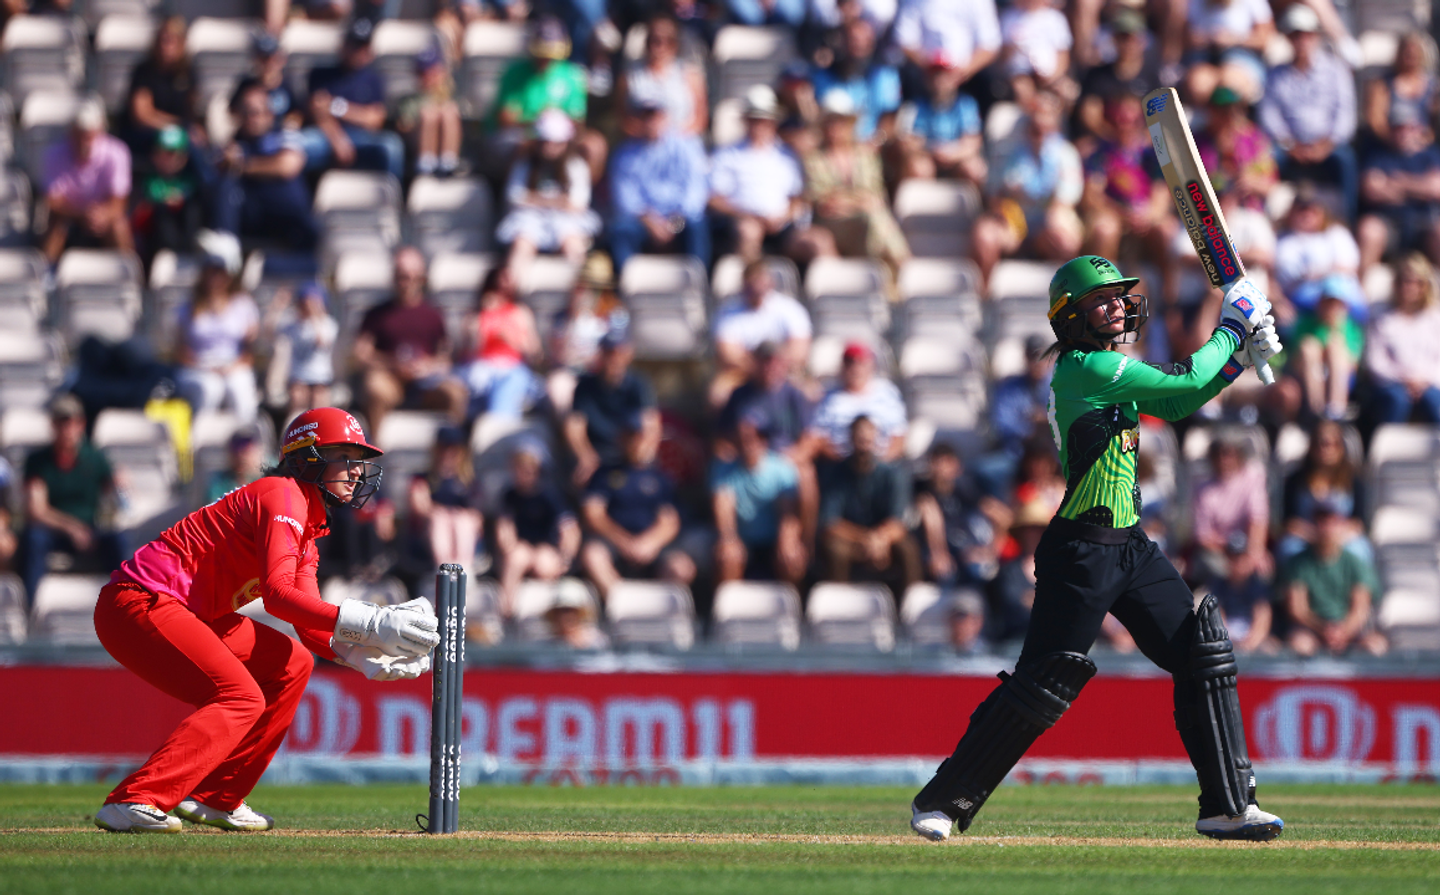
[{"x": 567, "y": 718}]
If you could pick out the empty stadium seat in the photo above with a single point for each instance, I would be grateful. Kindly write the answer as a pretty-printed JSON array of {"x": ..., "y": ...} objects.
[
  {"x": 450, "y": 215},
  {"x": 727, "y": 122},
  {"x": 756, "y": 613},
  {"x": 396, "y": 44},
  {"x": 406, "y": 437},
  {"x": 728, "y": 276},
  {"x": 219, "y": 51},
  {"x": 42, "y": 53},
  {"x": 98, "y": 293},
  {"x": 1402, "y": 466},
  {"x": 937, "y": 216},
  {"x": 31, "y": 367},
  {"x": 121, "y": 41},
  {"x": 454, "y": 284},
  {"x": 22, "y": 430},
  {"x": 45, "y": 117},
  {"x": 546, "y": 286},
  {"x": 13, "y": 621},
  {"x": 362, "y": 281},
  {"x": 666, "y": 297},
  {"x": 940, "y": 297},
  {"x": 847, "y": 297},
  {"x": 97, "y": 11},
  {"x": 143, "y": 455},
  {"x": 746, "y": 56},
  {"x": 23, "y": 304},
  {"x": 14, "y": 198},
  {"x": 172, "y": 284},
  {"x": 489, "y": 48},
  {"x": 853, "y": 615},
  {"x": 484, "y": 623},
  {"x": 359, "y": 211},
  {"x": 309, "y": 44},
  {"x": 651, "y": 613},
  {"x": 535, "y": 598},
  {"x": 64, "y": 609}
]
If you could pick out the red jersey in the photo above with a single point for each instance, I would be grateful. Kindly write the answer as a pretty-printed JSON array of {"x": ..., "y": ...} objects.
[{"x": 257, "y": 541}]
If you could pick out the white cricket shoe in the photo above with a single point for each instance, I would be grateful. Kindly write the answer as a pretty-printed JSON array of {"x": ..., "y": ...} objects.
[
  {"x": 933, "y": 825},
  {"x": 242, "y": 819},
  {"x": 135, "y": 817},
  {"x": 1254, "y": 825}
]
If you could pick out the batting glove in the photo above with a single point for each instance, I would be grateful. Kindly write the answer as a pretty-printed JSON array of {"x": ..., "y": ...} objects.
[
  {"x": 1244, "y": 306},
  {"x": 376, "y": 665},
  {"x": 403, "y": 630}
]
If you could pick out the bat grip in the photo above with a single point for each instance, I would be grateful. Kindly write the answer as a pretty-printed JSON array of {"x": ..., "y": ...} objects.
[{"x": 1262, "y": 369}]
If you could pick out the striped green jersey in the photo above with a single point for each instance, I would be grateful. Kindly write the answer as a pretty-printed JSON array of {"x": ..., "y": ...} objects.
[{"x": 1096, "y": 398}]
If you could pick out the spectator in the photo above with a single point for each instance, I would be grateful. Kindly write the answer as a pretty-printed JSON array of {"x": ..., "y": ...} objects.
[
  {"x": 430, "y": 120},
  {"x": 267, "y": 71},
  {"x": 1400, "y": 187},
  {"x": 1012, "y": 592},
  {"x": 757, "y": 190},
  {"x": 162, "y": 89},
  {"x": 789, "y": 13},
  {"x": 965, "y": 620},
  {"x": 861, "y": 72},
  {"x": 1409, "y": 85},
  {"x": 1225, "y": 45},
  {"x": 968, "y": 33},
  {"x": 549, "y": 197},
  {"x": 756, "y": 505},
  {"x": 529, "y": 86},
  {"x": 1034, "y": 188},
  {"x": 536, "y": 535},
  {"x": 1316, "y": 254},
  {"x": 1134, "y": 71},
  {"x": 1328, "y": 475},
  {"x": 445, "y": 501},
  {"x": 571, "y": 619},
  {"x": 1244, "y": 597},
  {"x": 216, "y": 335},
  {"x": 846, "y": 186},
  {"x": 262, "y": 193},
  {"x": 960, "y": 524},
  {"x": 1126, "y": 205},
  {"x": 347, "y": 111},
  {"x": 504, "y": 342},
  {"x": 679, "y": 84},
  {"x": 1035, "y": 49},
  {"x": 66, "y": 484},
  {"x": 311, "y": 337},
  {"x": 629, "y": 511},
  {"x": 860, "y": 393},
  {"x": 1232, "y": 501},
  {"x": 1309, "y": 110},
  {"x": 1328, "y": 346},
  {"x": 1019, "y": 402},
  {"x": 87, "y": 186},
  {"x": 592, "y": 310},
  {"x": 403, "y": 353},
  {"x": 658, "y": 184},
  {"x": 861, "y": 516},
  {"x": 1236, "y": 153},
  {"x": 945, "y": 136},
  {"x": 1331, "y": 593},
  {"x": 1402, "y": 354},
  {"x": 758, "y": 315},
  {"x": 245, "y": 461},
  {"x": 169, "y": 210},
  {"x": 605, "y": 400}
]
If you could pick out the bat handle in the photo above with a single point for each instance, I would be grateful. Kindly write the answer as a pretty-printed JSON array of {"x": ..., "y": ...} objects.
[{"x": 1262, "y": 369}]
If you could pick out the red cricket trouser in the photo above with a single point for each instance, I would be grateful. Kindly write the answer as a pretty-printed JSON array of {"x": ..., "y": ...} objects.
[{"x": 244, "y": 679}]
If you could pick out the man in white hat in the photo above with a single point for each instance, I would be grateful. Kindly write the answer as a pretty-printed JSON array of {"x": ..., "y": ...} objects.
[{"x": 87, "y": 184}]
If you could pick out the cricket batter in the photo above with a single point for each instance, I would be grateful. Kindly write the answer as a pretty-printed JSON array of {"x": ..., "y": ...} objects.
[
  {"x": 1094, "y": 558},
  {"x": 169, "y": 615}
]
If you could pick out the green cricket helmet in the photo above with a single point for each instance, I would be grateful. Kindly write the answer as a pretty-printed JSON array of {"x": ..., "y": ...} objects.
[{"x": 1075, "y": 280}]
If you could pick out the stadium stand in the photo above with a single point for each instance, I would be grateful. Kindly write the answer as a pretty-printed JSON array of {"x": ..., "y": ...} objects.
[
  {"x": 651, "y": 613},
  {"x": 755, "y": 613},
  {"x": 854, "y": 615}
]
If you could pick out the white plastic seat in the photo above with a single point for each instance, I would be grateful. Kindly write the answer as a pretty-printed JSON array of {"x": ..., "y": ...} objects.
[
  {"x": 937, "y": 216},
  {"x": 484, "y": 622},
  {"x": 13, "y": 621},
  {"x": 1021, "y": 279},
  {"x": 728, "y": 276},
  {"x": 22, "y": 289},
  {"x": 454, "y": 284},
  {"x": 843, "y": 276},
  {"x": 64, "y": 609},
  {"x": 450, "y": 215},
  {"x": 31, "y": 366},
  {"x": 362, "y": 281},
  {"x": 1402, "y": 525},
  {"x": 489, "y": 48},
  {"x": 45, "y": 118},
  {"x": 546, "y": 287},
  {"x": 745, "y": 56},
  {"x": 406, "y": 437},
  {"x": 310, "y": 44},
  {"x": 651, "y": 613},
  {"x": 859, "y": 615},
  {"x": 827, "y": 352},
  {"x": 22, "y": 429},
  {"x": 534, "y": 598},
  {"x": 727, "y": 122},
  {"x": 15, "y": 196},
  {"x": 219, "y": 51},
  {"x": 395, "y": 45},
  {"x": 756, "y": 613},
  {"x": 41, "y": 53},
  {"x": 1407, "y": 607},
  {"x": 121, "y": 41},
  {"x": 925, "y": 613},
  {"x": 99, "y": 294},
  {"x": 358, "y": 211}
]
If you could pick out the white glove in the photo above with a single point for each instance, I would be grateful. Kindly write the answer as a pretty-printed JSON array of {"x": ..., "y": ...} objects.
[
  {"x": 376, "y": 665},
  {"x": 405, "y": 629},
  {"x": 1245, "y": 305},
  {"x": 1262, "y": 344}
]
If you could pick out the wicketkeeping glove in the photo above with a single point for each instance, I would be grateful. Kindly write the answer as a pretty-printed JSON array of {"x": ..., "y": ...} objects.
[
  {"x": 407, "y": 629},
  {"x": 376, "y": 665}
]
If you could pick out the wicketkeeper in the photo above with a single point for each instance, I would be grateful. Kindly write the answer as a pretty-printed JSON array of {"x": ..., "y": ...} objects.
[
  {"x": 1095, "y": 559},
  {"x": 169, "y": 615}
]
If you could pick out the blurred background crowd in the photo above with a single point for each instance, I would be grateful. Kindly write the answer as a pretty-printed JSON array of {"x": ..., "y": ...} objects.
[{"x": 715, "y": 318}]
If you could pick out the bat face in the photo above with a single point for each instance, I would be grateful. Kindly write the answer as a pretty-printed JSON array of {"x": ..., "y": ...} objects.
[{"x": 1216, "y": 251}]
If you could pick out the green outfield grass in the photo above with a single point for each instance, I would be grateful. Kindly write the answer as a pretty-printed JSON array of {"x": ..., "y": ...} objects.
[{"x": 792, "y": 840}]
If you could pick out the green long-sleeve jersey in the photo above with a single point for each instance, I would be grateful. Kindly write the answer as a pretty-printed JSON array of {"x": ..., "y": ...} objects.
[{"x": 1096, "y": 398}]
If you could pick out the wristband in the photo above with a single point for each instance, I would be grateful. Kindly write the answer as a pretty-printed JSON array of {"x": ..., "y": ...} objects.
[
  {"x": 1234, "y": 329},
  {"x": 1232, "y": 370}
]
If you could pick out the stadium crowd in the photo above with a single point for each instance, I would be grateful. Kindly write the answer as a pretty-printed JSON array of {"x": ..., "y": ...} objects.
[{"x": 757, "y": 454}]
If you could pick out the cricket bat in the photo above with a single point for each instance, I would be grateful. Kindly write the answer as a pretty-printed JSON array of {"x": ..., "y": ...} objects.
[{"x": 1194, "y": 197}]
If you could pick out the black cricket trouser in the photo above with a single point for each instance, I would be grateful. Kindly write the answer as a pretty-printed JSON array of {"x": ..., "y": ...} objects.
[{"x": 1084, "y": 571}]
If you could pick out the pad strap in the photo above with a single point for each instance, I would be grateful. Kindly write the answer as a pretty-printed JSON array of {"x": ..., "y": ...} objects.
[
  {"x": 1025, "y": 705},
  {"x": 1207, "y": 715}
]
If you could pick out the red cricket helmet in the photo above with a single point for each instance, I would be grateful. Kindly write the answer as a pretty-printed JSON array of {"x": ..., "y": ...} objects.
[{"x": 325, "y": 427}]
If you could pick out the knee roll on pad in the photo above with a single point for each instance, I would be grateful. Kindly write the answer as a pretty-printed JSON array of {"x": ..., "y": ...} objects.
[
  {"x": 1025, "y": 705},
  {"x": 1207, "y": 715}
]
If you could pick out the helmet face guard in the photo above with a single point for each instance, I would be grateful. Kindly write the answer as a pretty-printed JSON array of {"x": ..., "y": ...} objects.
[
  {"x": 304, "y": 453},
  {"x": 311, "y": 467},
  {"x": 1075, "y": 326}
]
